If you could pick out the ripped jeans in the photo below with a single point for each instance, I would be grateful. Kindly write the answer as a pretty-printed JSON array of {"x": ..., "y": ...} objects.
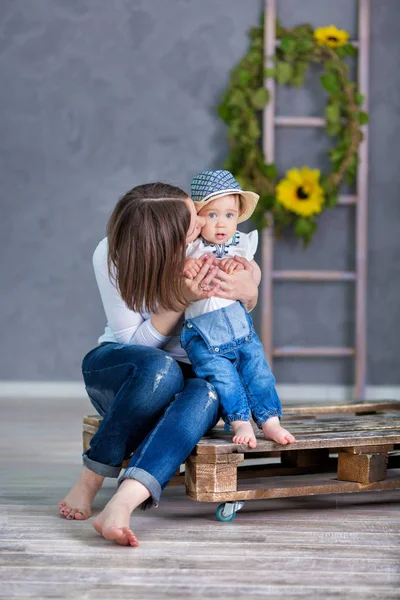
[
  {"x": 225, "y": 350},
  {"x": 150, "y": 404}
]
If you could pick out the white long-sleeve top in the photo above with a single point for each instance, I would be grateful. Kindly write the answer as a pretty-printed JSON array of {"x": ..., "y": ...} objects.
[
  {"x": 241, "y": 244},
  {"x": 125, "y": 326}
]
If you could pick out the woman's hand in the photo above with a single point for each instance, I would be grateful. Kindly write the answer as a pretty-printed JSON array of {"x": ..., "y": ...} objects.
[
  {"x": 203, "y": 285},
  {"x": 240, "y": 285}
]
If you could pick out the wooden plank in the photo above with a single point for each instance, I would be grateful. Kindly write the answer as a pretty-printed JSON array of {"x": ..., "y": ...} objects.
[
  {"x": 347, "y": 200},
  {"x": 305, "y": 458},
  {"x": 361, "y": 438},
  {"x": 285, "y": 487},
  {"x": 318, "y": 408},
  {"x": 213, "y": 459},
  {"x": 307, "y": 352},
  {"x": 364, "y": 10},
  {"x": 364, "y": 468},
  {"x": 281, "y": 121},
  {"x": 369, "y": 449},
  {"x": 298, "y": 275},
  {"x": 371, "y": 423},
  {"x": 268, "y": 145},
  {"x": 218, "y": 477}
]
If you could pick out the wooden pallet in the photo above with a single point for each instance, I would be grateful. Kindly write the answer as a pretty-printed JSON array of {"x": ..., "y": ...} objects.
[
  {"x": 216, "y": 465},
  {"x": 332, "y": 455}
]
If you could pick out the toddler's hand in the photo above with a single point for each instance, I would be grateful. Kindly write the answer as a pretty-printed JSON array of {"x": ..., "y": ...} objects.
[
  {"x": 229, "y": 266},
  {"x": 192, "y": 267}
]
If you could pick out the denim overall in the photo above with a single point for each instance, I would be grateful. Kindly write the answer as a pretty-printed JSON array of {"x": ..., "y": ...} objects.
[{"x": 225, "y": 350}]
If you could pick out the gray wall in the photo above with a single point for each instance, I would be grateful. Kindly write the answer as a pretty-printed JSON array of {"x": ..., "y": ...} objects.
[{"x": 97, "y": 96}]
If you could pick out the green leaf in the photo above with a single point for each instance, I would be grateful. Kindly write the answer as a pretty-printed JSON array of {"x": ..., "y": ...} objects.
[
  {"x": 359, "y": 98},
  {"x": 284, "y": 72},
  {"x": 224, "y": 112},
  {"x": 244, "y": 77},
  {"x": 301, "y": 69},
  {"x": 267, "y": 201},
  {"x": 331, "y": 200},
  {"x": 340, "y": 51},
  {"x": 332, "y": 112},
  {"x": 350, "y": 50},
  {"x": 336, "y": 155},
  {"x": 270, "y": 72},
  {"x": 287, "y": 45},
  {"x": 363, "y": 117},
  {"x": 303, "y": 227},
  {"x": 304, "y": 45},
  {"x": 237, "y": 98},
  {"x": 330, "y": 83},
  {"x": 333, "y": 129},
  {"x": 260, "y": 98},
  {"x": 254, "y": 129},
  {"x": 270, "y": 171}
]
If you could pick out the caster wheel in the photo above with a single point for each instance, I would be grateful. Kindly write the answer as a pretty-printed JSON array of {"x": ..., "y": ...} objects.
[{"x": 221, "y": 516}]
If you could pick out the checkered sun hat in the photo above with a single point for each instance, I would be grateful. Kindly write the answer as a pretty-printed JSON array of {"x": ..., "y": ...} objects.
[{"x": 210, "y": 185}]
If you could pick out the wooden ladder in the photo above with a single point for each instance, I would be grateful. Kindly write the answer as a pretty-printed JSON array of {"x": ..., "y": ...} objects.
[{"x": 359, "y": 276}]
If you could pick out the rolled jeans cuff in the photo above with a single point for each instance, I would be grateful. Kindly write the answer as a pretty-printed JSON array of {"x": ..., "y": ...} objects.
[
  {"x": 145, "y": 479},
  {"x": 267, "y": 415},
  {"x": 100, "y": 468},
  {"x": 237, "y": 417}
]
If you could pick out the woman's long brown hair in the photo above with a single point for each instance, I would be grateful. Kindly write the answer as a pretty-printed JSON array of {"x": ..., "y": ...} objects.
[{"x": 146, "y": 247}]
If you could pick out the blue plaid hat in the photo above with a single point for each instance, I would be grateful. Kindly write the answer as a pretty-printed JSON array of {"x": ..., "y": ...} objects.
[{"x": 210, "y": 185}]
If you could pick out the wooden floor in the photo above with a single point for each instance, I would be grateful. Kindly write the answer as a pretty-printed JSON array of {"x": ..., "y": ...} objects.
[{"x": 345, "y": 546}]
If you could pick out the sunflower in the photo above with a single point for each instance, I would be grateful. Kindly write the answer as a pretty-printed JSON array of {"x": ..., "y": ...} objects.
[
  {"x": 331, "y": 36},
  {"x": 301, "y": 192}
]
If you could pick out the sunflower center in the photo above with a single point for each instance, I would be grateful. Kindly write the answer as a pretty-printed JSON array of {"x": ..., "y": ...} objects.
[
  {"x": 301, "y": 193},
  {"x": 332, "y": 38}
]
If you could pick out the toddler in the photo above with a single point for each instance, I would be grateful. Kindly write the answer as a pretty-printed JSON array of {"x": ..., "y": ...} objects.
[{"x": 218, "y": 334}]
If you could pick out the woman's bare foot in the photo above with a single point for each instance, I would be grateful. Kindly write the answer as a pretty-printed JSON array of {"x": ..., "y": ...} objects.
[
  {"x": 244, "y": 433},
  {"x": 113, "y": 521},
  {"x": 274, "y": 431},
  {"x": 78, "y": 503}
]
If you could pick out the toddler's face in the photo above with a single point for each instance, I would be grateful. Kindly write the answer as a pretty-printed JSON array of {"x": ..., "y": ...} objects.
[{"x": 221, "y": 219}]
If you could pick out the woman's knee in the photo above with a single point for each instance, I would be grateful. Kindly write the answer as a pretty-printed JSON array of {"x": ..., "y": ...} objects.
[
  {"x": 204, "y": 397},
  {"x": 150, "y": 367},
  {"x": 157, "y": 368}
]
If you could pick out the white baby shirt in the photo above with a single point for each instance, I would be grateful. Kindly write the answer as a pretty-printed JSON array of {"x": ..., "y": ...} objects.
[{"x": 241, "y": 244}]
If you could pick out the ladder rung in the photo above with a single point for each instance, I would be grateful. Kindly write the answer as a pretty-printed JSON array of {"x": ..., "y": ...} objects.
[
  {"x": 347, "y": 200},
  {"x": 314, "y": 275},
  {"x": 352, "y": 42},
  {"x": 302, "y": 351},
  {"x": 300, "y": 121}
]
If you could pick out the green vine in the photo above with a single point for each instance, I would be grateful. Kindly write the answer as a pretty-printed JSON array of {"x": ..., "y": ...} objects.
[{"x": 246, "y": 97}]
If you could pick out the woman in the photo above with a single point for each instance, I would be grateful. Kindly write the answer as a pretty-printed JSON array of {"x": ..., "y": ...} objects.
[{"x": 139, "y": 378}]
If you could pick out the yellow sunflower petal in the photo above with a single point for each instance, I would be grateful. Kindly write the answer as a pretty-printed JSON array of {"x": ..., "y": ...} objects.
[
  {"x": 310, "y": 175},
  {"x": 294, "y": 175}
]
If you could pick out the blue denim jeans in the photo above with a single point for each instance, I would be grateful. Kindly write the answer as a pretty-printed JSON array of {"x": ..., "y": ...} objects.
[
  {"x": 149, "y": 406},
  {"x": 225, "y": 350}
]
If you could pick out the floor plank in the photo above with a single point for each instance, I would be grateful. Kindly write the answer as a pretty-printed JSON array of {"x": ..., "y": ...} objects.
[{"x": 316, "y": 547}]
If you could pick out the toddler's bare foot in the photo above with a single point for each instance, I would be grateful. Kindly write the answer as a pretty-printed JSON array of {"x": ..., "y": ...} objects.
[
  {"x": 274, "y": 431},
  {"x": 78, "y": 503},
  {"x": 244, "y": 433}
]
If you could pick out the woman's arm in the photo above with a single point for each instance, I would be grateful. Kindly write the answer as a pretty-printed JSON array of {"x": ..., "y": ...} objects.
[{"x": 130, "y": 327}]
